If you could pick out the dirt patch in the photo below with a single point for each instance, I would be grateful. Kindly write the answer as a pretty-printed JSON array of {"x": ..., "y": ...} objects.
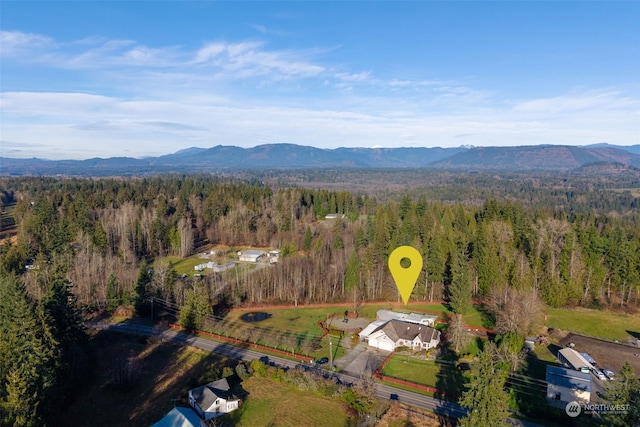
[
  {"x": 607, "y": 354},
  {"x": 402, "y": 415},
  {"x": 124, "y": 311}
]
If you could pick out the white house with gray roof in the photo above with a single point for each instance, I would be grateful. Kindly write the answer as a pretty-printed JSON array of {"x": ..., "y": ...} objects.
[
  {"x": 397, "y": 333},
  {"x": 213, "y": 399}
]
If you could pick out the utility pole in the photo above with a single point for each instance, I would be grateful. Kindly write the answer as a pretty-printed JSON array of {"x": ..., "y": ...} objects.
[
  {"x": 330, "y": 353},
  {"x": 152, "y": 310}
]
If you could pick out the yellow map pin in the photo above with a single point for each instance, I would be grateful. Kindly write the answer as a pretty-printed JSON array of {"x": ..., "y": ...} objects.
[{"x": 405, "y": 277}]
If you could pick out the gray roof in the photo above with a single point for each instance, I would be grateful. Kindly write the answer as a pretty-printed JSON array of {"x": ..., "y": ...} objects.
[
  {"x": 207, "y": 394},
  {"x": 568, "y": 378},
  {"x": 407, "y": 317},
  {"x": 396, "y": 329},
  {"x": 253, "y": 252},
  {"x": 371, "y": 328}
]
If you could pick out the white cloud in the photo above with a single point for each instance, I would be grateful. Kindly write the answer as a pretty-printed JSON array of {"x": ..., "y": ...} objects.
[
  {"x": 579, "y": 101},
  {"x": 354, "y": 77},
  {"x": 249, "y": 59},
  {"x": 140, "y": 100},
  {"x": 17, "y": 43}
]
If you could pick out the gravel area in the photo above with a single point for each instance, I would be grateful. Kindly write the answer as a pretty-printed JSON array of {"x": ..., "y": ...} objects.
[{"x": 608, "y": 355}]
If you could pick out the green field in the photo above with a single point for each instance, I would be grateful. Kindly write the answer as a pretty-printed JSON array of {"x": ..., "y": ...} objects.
[
  {"x": 301, "y": 321},
  {"x": 276, "y": 404},
  {"x": 438, "y": 374},
  {"x": 185, "y": 265},
  {"x": 602, "y": 324}
]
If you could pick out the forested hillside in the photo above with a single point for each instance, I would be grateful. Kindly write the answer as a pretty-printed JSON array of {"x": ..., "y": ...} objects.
[{"x": 103, "y": 242}]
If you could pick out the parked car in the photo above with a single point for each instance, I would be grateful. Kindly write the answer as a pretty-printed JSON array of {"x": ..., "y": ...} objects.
[
  {"x": 608, "y": 373},
  {"x": 322, "y": 361},
  {"x": 599, "y": 374}
]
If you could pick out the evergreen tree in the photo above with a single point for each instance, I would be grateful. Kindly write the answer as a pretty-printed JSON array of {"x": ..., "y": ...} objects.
[
  {"x": 459, "y": 281},
  {"x": 308, "y": 237},
  {"x": 487, "y": 262},
  {"x": 29, "y": 357},
  {"x": 196, "y": 309},
  {"x": 486, "y": 397},
  {"x": 624, "y": 390},
  {"x": 352, "y": 273},
  {"x": 113, "y": 299},
  {"x": 142, "y": 290}
]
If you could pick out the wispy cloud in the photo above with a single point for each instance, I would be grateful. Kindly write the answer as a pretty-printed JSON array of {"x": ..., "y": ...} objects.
[
  {"x": 580, "y": 101},
  {"x": 134, "y": 99},
  {"x": 269, "y": 31},
  {"x": 15, "y": 43},
  {"x": 248, "y": 59}
]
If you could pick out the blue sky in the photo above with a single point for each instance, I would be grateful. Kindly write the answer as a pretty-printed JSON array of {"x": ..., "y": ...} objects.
[{"x": 117, "y": 78}]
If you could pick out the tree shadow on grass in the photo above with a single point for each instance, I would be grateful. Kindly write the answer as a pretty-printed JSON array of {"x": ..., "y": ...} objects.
[
  {"x": 488, "y": 320},
  {"x": 554, "y": 349},
  {"x": 531, "y": 390},
  {"x": 450, "y": 381},
  {"x": 164, "y": 374}
]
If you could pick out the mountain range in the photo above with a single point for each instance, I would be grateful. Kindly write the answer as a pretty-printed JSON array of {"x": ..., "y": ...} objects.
[{"x": 290, "y": 156}]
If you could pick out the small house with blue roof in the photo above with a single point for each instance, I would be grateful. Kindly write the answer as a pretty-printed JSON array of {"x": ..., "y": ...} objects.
[{"x": 566, "y": 385}]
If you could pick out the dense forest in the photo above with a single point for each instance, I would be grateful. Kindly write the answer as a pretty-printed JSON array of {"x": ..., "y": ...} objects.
[{"x": 88, "y": 243}]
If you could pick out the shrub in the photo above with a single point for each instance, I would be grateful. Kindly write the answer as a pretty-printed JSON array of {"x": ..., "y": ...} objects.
[{"x": 242, "y": 372}]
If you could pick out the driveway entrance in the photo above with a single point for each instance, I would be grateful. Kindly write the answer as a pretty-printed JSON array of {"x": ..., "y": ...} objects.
[{"x": 362, "y": 359}]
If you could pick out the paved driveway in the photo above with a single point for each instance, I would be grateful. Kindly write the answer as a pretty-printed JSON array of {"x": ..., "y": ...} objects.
[{"x": 362, "y": 359}]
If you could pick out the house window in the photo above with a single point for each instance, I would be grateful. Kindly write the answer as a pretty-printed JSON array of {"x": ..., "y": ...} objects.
[{"x": 557, "y": 396}]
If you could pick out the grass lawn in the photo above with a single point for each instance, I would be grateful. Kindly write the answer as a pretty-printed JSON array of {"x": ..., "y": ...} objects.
[
  {"x": 301, "y": 321},
  {"x": 420, "y": 371},
  {"x": 437, "y": 374},
  {"x": 298, "y": 320},
  {"x": 276, "y": 404},
  {"x": 185, "y": 265},
  {"x": 602, "y": 324}
]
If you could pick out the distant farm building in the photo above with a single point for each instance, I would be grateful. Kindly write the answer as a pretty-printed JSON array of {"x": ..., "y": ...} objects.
[
  {"x": 251, "y": 255},
  {"x": 334, "y": 216},
  {"x": 274, "y": 256},
  {"x": 217, "y": 268}
]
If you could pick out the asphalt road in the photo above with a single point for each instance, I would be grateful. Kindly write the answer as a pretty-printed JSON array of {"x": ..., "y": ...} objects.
[{"x": 383, "y": 391}]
